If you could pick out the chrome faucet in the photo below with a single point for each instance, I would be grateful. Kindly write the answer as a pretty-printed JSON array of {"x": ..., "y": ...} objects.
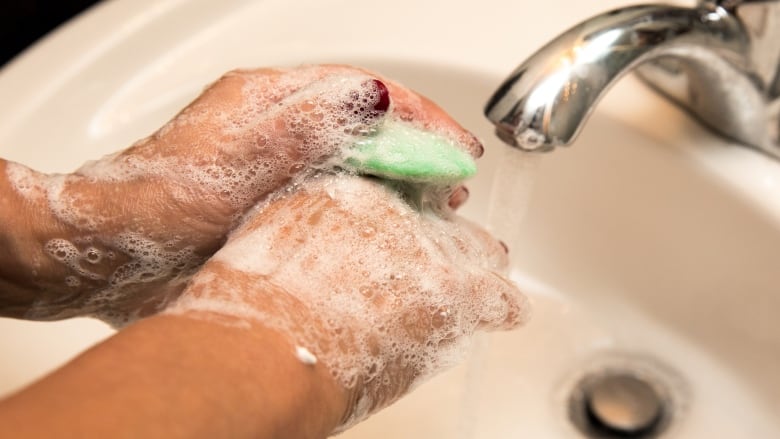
[{"x": 719, "y": 60}]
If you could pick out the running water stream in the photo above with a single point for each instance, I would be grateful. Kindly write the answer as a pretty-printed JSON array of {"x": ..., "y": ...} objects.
[{"x": 510, "y": 196}]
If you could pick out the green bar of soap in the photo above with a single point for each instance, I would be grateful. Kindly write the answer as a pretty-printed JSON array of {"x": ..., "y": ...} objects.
[{"x": 400, "y": 151}]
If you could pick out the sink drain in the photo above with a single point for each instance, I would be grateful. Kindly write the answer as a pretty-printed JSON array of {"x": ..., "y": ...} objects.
[
  {"x": 619, "y": 403},
  {"x": 623, "y": 405}
]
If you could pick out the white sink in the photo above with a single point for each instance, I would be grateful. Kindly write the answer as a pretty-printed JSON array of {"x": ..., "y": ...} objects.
[
  {"x": 649, "y": 245},
  {"x": 635, "y": 255}
]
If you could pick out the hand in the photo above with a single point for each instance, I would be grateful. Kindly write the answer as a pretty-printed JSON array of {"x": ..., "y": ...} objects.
[
  {"x": 382, "y": 293},
  {"x": 123, "y": 234}
]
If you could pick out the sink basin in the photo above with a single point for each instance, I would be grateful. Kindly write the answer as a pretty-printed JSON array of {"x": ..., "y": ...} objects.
[
  {"x": 650, "y": 245},
  {"x": 634, "y": 255}
]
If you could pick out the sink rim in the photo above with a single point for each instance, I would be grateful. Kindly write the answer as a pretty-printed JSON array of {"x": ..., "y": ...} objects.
[{"x": 738, "y": 169}]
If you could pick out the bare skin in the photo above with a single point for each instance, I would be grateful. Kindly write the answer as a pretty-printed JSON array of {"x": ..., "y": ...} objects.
[
  {"x": 396, "y": 288},
  {"x": 193, "y": 372},
  {"x": 190, "y": 219},
  {"x": 178, "y": 377},
  {"x": 217, "y": 352}
]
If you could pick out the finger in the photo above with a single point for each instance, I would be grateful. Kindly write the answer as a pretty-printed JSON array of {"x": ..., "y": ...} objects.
[
  {"x": 503, "y": 306},
  {"x": 413, "y": 107},
  {"x": 483, "y": 249},
  {"x": 458, "y": 196}
]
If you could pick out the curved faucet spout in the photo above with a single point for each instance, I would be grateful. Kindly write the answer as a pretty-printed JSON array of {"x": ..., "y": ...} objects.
[{"x": 699, "y": 57}]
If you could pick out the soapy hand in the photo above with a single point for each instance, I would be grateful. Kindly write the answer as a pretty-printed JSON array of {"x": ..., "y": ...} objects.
[
  {"x": 129, "y": 229},
  {"x": 383, "y": 285}
]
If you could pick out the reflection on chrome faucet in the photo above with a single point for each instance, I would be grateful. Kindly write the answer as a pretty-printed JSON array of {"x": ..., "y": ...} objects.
[{"x": 720, "y": 61}]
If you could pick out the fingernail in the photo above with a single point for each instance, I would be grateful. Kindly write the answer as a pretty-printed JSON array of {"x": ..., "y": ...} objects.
[
  {"x": 480, "y": 149},
  {"x": 458, "y": 196},
  {"x": 383, "y": 96},
  {"x": 506, "y": 247}
]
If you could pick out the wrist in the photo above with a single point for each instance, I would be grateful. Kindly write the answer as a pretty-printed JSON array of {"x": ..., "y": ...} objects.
[
  {"x": 176, "y": 376},
  {"x": 234, "y": 299},
  {"x": 25, "y": 226},
  {"x": 262, "y": 382}
]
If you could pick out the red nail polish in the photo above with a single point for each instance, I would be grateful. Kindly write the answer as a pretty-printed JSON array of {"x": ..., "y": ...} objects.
[
  {"x": 383, "y": 98},
  {"x": 479, "y": 147},
  {"x": 458, "y": 197}
]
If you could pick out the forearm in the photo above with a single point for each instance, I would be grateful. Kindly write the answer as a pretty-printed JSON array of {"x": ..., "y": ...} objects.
[{"x": 172, "y": 376}]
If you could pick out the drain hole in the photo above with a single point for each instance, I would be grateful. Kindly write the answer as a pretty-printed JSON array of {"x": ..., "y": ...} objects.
[
  {"x": 619, "y": 404},
  {"x": 623, "y": 405}
]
